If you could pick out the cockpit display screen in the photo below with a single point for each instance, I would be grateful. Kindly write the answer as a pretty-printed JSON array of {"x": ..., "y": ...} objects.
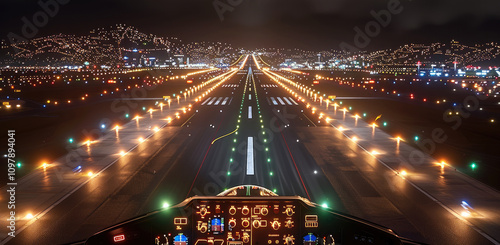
[
  {"x": 180, "y": 240},
  {"x": 217, "y": 225}
]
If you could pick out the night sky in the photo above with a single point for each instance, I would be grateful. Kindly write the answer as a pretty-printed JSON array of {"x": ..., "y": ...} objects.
[{"x": 312, "y": 24}]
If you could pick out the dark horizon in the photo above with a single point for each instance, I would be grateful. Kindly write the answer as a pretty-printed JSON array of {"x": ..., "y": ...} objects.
[{"x": 316, "y": 25}]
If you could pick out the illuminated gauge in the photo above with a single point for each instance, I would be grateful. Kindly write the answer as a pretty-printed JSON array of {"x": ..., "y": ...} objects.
[
  {"x": 245, "y": 223},
  {"x": 289, "y": 211},
  {"x": 264, "y": 211},
  {"x": 232, "y": 210},
  {"x": 245, "y": 210}
]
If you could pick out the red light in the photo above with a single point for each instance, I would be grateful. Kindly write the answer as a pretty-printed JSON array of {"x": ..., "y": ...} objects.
[{"x": 119, "y": 238}]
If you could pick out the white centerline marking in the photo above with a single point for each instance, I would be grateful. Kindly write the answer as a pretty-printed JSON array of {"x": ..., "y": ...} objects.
[
  {"x": 249, "y": 96},
  {"x": 250, "y": 162},
  {"x": 249, "y": 112}
]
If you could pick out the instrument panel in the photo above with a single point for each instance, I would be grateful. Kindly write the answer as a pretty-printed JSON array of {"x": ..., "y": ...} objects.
[
  {"x": 246, "y": 219},
  {"x": 216, "y": 222}
]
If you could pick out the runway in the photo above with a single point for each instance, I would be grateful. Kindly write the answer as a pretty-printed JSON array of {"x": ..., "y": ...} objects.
[{"x": 277, "y": 143}]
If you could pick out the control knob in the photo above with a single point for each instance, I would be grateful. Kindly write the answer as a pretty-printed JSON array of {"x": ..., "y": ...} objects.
[
  {"x": 203, "y": 228},
  {"x": 276, "y": 225},
  {"x": 203, "y": 211},
  {"x": 264, "y": 211},
  {"x": 232, "y": 223},
  {"x": 246, "y": 237},
  {"x": 330, "y": 240},
  {"x": 256, "y": 224},
  {"x": 245, "y": 223}
]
